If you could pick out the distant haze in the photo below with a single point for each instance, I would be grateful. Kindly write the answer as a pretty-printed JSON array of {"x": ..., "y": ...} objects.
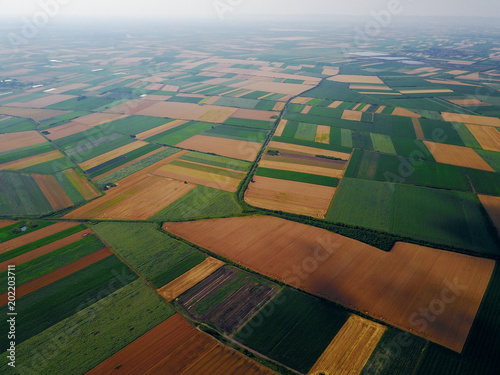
[{"x": 208, "y": 8}]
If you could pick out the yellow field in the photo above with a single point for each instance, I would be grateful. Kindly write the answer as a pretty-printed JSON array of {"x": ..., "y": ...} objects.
[
  {"x": 98, "y": 160},
  {"x": 301, "y": 100},
  {"x": 350, "y": 349},
  {"x": 468, "y": 102},
  {"x": 278, "y": 106},
  {"x": 492, "y": 207},
  {"x": 322, "y": 134},
  {"x": 457, "y": 155},
  {"x": 159, "y": 129},
  {"x": 330, "y": 71},
  {"x": 369, "y": 87},
  {"x": 280, "y": 128},
  {"x": 404, "y": 112},
  {"x": 418, "y": 129},
  {"x": 32, "y": 160},
  {"x": 217, "y": 181},
  {"x": 425, "y": 91},
  {"x": 309, "y": 150},
  {"x": 189, "y": 279},
  {"x": 487, "y": 136},
  {"x": 295, "y": 167},
  {"x": 380, "y": 93},
  {"x": 351, "y": 115},
  {"x": 335, "y": 104},
  {"x": 356, "y": 79},
  {"x": 380, "y": 109},
  {"x": 471, "y": 119}
]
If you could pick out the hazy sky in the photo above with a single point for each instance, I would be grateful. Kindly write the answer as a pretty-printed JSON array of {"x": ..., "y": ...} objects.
[{"x": 207, "y": 8}]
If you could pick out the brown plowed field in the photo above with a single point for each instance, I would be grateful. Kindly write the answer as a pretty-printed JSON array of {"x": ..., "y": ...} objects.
[
  {"x": 418, "y": 129},
  {"x": 189, "y": 279},
  {"x": 231, "y": 148},
  {"x": 405, "y": 112},
  {"x": 11, "y": 141},
  {"x": 58, "y": 274},
  {"x": 136, "y": 197},
  {"x": 43, "y": 102},
  {"x": 457, "y": 155},
  {"x": 36, "y": 235},
  {"x": 176, "y": 347},
  {"x": 52, "y": 191},
  {"x": 65, "y": 130},
  {"x": 280, "y": 128},
  {"x": 6, "y": 223},
  {"x": 356, "y": 79},
  {"x": 350, "y": 349},
  {"x": 391, "y": 286},
  {"x": 188, "y": 111},
  {"x": 45, "y": 249},
  {"x": 289, "y": 196}
]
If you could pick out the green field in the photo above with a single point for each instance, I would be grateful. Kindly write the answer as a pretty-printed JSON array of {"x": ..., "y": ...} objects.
[
  {"x": 201, "y": 202},
  {"x": 382, "y": 143},
  {"x": 298, "y": 176},
  {"x": 55, "y": 259},
  {"x": 237, "y": 102},
  {"x": 145, "y": 248},
  {"x": 296, "y": 332},
  {"x": 208, "y": 169},
  {"x": 94, "y": 333},
  {"x": 180, "y": 133},
  {"x": 481, "y": 354},
  {"x": 345, "y": 137},
  {"x": 238, "y": 133},
  {"x": 249, "y": 123},
  {"x": 84, "y": 103},
  {"x": 24, "y": 152},
  {"x": 397, "y": 353},
  {"x": 61, "y": 119},
  {"x": 69, "y": 188},
  {"x": 120, "y": 160},
  {"x": 16, "y": 124},
  {"x": 178, "y": 269},
  {"x": 491, "y": 157},
  {"x": 306, "y": 132},
  {"x": 137, "y": 166},
  {"x": 91, "y": 143},
  {"x": 20, "y": 195},
  {"x": 41, "y": 242},
  {"x": 50, "y": 167},
  {"x": 12, "y": 231},
  {"x": 55, "y": 302},
  {"x": 217, "y": 161},
  {"x": 436, "y": 216},
  {"x": 133, "y": 125}
]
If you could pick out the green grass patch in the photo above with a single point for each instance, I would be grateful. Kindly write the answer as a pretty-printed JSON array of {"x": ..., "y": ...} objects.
[
  {"x": 51, "y": 304},
  {"x": 382, "y": 143},
  {"x": 178, "y": 269},
  {"x": 61, "y": 119},
  {"x": 20, "y": 195},
  {"x": 297, "y": 332},
  {"x": 134, "y": 124},
  {"x": 14, "y": 230},
  {"x": 50, "y": 262},
  {"x": 298, "y": 176},
  {"x": 41, "y": 242},
  {"x": 237, "y": 102},
  {"x": 145, "y": 248},
  {"x": 200, "y": 203},
  {"x": 83, "y": 103},
  {"x": 50, "y": 167},
  {"x": 238, "y": 133},
  {"x": 95, "y": 332},
  {"x": 249, "y": 123},
  {"x": 437, "y": 216},
  {"x": 16, "y": 124},
  {"x": 180, "y": 133},
  {"x": 137, "y": 166},
  {"x": 217, "y": 161},
  {"x": 491, "y": 157},
  {"x": 306, "y": 132},
  {"x": 25, "y": 152}
]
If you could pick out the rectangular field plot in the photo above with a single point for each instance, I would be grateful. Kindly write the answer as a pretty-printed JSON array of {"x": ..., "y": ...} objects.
[
  {"x": 289, "y": 196},
  {"x": 11, "y": 141},
  {"x": 227, "y": 298},
  {"x": 156, "y": 256},
  {"x": 350, "y": 349},
  {"x": 438, "y": 216},
  {"x": 297, "y": 331},
  {"x": 231, "y": 148},
  {"x": 189, "y": 279},
  {"x": 390, "y": 286},
  {"x": 176, "y": 347}
]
